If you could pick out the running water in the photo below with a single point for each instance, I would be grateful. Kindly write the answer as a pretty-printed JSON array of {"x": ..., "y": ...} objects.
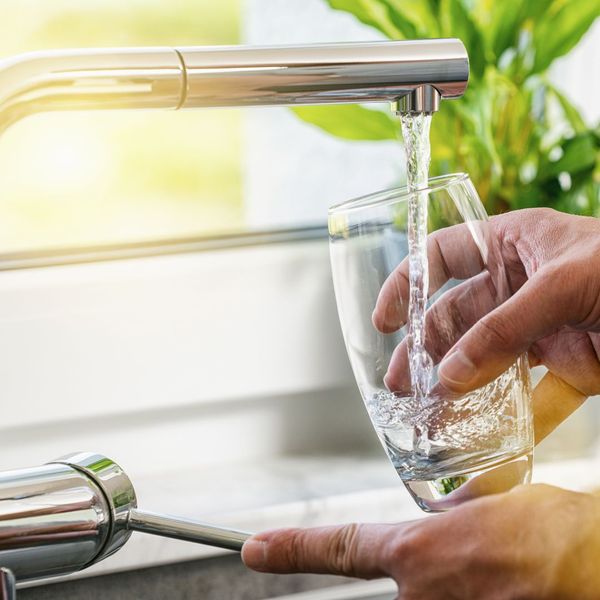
[
  {"x": 415, "y": 129},
  {"x": 436, "y": 447}
]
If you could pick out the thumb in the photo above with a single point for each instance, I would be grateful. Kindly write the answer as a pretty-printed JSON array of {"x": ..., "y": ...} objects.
[
  {"x": 352, "y": 550},
  {"x": 493, "y": 344}
]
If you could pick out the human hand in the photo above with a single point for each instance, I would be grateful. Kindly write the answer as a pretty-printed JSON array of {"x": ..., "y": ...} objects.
[
  {"x": 552, "y": 261},
  {"x": 534, "y": 542}
]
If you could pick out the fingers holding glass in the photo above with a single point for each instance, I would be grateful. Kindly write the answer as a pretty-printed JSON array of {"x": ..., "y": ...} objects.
[
  {"x": 447, "y": 320},
  {"x": 437, "y": 438},
  {"x": 453, "y": 253}
]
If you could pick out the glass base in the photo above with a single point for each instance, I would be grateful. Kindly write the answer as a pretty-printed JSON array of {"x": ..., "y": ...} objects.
[{"x": 444, "y": 493}]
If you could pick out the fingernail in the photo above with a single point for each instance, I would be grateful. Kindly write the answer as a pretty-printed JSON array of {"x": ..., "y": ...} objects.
[
  {"x": 379, "y": 320},
  {"x": 457, "y": 368},
  {"x": 254, "y": 554},
  {"x": 389, "y": 321}
]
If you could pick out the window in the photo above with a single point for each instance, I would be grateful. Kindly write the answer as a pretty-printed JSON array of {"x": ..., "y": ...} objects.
[
  {"x": 108, "y": 178},
  {"x": 87, "y": 179}
]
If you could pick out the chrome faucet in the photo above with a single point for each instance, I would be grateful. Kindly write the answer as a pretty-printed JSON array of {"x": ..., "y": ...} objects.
[
  {"x": 74, "y": 512},
  {"x": 413, "y": 75}
]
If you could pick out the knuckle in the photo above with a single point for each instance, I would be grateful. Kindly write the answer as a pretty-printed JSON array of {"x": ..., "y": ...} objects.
[
  {"x": 496, "y": 331},
  {"x": 404, "y": 548},
  {"x": 547, "y": 276},
  {"x": 444, "y": 325},
  {"x": 401, "y": 551},
  {"x": 294, "y": 550},
  {"x": 545, "y": 213},
  {"x": 343, "y": 549},
  {"x": 436, "y": 251}
]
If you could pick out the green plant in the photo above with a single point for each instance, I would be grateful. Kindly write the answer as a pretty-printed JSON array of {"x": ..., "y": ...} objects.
[{"x": 521, "y": 140}]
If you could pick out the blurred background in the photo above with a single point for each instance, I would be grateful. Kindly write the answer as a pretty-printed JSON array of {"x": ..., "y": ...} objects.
[
  {"x": 526, "y": 131},
  {"x": 81, "y": 179},
  {"x": 216, "y": 373}
]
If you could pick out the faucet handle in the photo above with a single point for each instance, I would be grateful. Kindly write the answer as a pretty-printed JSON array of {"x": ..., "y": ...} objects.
[
  {"x": 188, "y": 530},
  {"x": 8, "y": 589}
]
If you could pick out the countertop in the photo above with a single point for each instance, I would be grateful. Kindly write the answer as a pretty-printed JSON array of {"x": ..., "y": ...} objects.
[{"x": 297, "y": 491}]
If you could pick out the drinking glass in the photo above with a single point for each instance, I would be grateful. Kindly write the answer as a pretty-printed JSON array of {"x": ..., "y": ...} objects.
[{"x": 446, "y": 448}]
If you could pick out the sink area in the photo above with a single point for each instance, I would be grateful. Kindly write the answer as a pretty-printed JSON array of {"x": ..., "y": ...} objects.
[
  {"x": 210, "y": 579},
  {"x": 304, "y": 491},
  {"x": 150, "y": 567},
  {"x": 364, "y": 590}
]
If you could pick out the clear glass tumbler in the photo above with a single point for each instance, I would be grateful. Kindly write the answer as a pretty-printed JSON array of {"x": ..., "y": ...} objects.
[{"x": 446, "y": 448}]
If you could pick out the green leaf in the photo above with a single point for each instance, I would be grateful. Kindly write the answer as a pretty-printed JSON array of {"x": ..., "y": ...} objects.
[
  {"x": 511, "y": 119},
  {"x": 505, "y": 22},
  {"x": 571, "y": 113},
  {"x": 560, "y": 28},
  {"x": 443, "y": 136},
  {"x": 476, "y": 110},
  {"x": 422, "y": 14},
  {"x": 397, "y": 19},
  {"x": 501, "y": 22},
  {"x": 351, "y": 121},
  {"x": 578, "y": 154},
  {"x": 377, "y": 14}
]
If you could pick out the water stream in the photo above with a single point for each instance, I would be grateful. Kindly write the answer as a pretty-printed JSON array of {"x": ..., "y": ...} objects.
[
  {"x": 409, "y": 426},
  {"x": 415, "y": 130}
]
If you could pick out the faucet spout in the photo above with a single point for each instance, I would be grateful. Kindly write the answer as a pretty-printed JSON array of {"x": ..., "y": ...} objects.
[{"x": 221, "y": 76}]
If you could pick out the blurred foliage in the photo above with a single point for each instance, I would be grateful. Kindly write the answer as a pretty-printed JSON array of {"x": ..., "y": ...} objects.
[
  {"x": 107, "y": 177},
  {"x": 520, "y": 139},
  {"x": 141, "y": 22},
  {"x": 39, "y": 24},
  {"x": 341, "y": 122}
]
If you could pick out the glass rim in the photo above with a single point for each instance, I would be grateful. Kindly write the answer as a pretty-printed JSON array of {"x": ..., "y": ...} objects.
[{"x": 392, "y": 195}]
